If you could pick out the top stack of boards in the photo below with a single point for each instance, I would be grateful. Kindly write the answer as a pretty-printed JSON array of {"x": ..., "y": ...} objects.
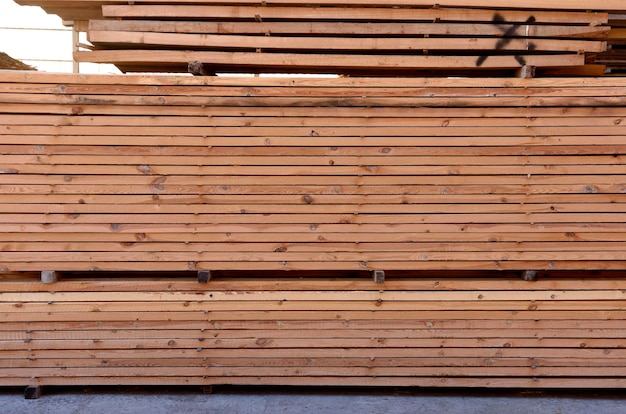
[
  {"x": 182, "y": 173},
  {"x": 349, "y": 37}
]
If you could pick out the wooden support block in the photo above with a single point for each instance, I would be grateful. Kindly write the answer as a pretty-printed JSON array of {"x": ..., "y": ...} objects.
[
  {"x": 199, "y": 69},
  {"x": 204, "y": 276},
  {"x": 378, "y": 276},
  {"x": 32, "y": 392},
  {"x": 526, "y": 71},
  {"x": 530, "y": 275},
  {"x": 207, "y": 389},
  {"x": 49, "y": 276}
]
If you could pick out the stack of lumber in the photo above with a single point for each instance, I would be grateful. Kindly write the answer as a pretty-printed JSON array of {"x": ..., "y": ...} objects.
[
  {"x": 183, "y": 173},
  {"x": 352, "y": 37},
  {"x": 428, "y": 332},
  {"x": 8, "y": 63}
]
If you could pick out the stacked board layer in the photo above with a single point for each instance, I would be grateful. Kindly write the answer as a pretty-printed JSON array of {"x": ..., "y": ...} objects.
[
  {"x": 175, "y": 173},
  {"x": 346, "y": 37},
  {"x": 430, "y": 332}
]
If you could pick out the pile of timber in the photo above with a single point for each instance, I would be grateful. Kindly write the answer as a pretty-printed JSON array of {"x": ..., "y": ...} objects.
[
  {"x": 351, "y": 37},
  {"x": 8, "y": 63},
  {"x": 425, "y": 332},
  {"x": 185, "y": 173}
]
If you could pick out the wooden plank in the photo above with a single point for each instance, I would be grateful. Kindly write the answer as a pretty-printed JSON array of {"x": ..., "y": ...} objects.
[
  {"x": 343, "y": 14},
  {"x": 332, "y": 87},
  {"x": 437, "y": 244},
  {"x": 121, "y": 39},
  {"x": 313, "y": 184},
  {"x": 331, "y": 296},
  {"x": 229, "y": 61},
  {"x": 283, "y": 207},
  {"x": 221, "y": 113},
  {"x": 175, "y": 363},
  {"x": 149, "y": 327},
  {"x": 121, "y": 157},
  {"x": 320, "y": 132},
  {"x": 256, "y": 343},
  {"x": 186, "y": 357},
  {"x": 324, "y": 306},
  {"x": 258, "y": 123},
  {"x": 311, "y": 334},
  {"x": 478, "y": 382},
  {"x": 344, "y": 316},
  {"x": 318, "y": 229},
  {"x": 307, "y": 219},
  {"x": 480, "y": 281},
  {"x": 174, "y": 242},
  {"x": 497, "y": 141},
  {"x": 286, "y": 372},
  {"x": 499, "y": 264},
  {"x": 583, "y": 5}
]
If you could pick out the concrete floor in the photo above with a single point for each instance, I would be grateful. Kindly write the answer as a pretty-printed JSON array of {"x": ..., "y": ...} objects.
[{"x": 310, "y": 400}]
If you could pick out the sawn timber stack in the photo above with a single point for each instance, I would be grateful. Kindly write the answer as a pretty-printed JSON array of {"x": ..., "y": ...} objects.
[
  {"x": 562, "y": 333},
  {"x": 354, "y": 37},
  {"x": 170, "y": 173}
]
